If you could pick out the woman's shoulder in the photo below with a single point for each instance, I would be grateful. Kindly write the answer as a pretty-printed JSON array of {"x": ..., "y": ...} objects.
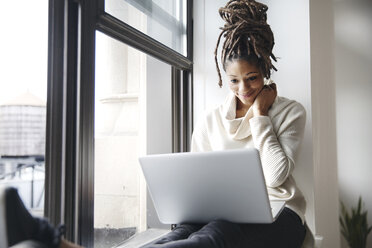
[
  {"x": 286, "y": 112},
  {"x": 208, "y": 114},
  {"x": 283, "y": 105},
  {"x": 212, "y": 111}
]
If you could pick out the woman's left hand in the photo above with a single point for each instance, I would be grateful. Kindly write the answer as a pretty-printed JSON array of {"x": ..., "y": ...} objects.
[{"x": 264, "y": 100}]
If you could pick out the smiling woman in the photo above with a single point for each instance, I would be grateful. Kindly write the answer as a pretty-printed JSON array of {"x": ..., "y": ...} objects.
[
  {"x": 246, "y": 82},
  {"x": 252, "y": 116}
]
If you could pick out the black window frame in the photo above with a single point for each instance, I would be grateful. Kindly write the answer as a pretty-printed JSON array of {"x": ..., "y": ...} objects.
[{"x": 69, "y": 183}]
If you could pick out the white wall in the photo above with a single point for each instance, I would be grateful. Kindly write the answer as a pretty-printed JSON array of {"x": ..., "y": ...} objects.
[
  {"x": 326, "y": 201},
  {"x": 353, "y": 64},
  {"x": 292, "y": 45}
]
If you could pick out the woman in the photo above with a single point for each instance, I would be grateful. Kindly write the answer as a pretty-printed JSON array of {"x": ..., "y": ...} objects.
[{"x": 251, "y": 116}]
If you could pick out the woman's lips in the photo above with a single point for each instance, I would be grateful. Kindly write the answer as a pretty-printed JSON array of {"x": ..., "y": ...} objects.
[{"x": 246, "y": 95}]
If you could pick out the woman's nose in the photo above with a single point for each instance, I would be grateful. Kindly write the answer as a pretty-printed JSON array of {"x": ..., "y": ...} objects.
[{"x": 243, "y": 86}]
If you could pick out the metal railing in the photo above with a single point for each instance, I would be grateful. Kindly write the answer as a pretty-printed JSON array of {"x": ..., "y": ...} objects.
[{"x": 26, "y": 173}]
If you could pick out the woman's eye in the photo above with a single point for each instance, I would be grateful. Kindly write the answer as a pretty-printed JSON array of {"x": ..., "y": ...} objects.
[
  {"x": 233, "y": 81},
  {"x": 252, "y": 78}
]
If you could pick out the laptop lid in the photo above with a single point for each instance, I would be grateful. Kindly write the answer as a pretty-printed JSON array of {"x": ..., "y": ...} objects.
[{"x": 201, "y": 187}]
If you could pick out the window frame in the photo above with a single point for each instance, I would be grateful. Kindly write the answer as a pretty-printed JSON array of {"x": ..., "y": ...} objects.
[{"x": 69, "y": 159}]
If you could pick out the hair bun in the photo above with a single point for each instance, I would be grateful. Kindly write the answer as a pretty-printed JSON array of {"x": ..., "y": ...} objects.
[
  {"x": 246, "y": 33},
  {"x": 248, "y": 10}
]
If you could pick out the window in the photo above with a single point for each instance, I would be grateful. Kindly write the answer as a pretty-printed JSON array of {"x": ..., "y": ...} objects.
[
  {"x": 117, "y": 90},
  {"x": 133, "y": 117},
  {"x": 23, "y": 77},
  {"x": 163, "y": 20}
]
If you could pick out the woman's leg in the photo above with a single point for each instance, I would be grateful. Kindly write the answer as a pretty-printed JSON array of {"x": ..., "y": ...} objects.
[
  {"x": 178, "y": 233},
  {"x": 287, "y": 232},
  {"x": 216, "y": 234},
  {"x": 22, "y": 226}
]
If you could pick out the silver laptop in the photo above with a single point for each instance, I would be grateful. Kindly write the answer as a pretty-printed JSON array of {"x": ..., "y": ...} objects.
[{"x": 205, "y": 186}]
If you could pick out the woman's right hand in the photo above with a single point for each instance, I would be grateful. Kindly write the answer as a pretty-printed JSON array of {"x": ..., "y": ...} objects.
[{"x": 264, "y": 100}]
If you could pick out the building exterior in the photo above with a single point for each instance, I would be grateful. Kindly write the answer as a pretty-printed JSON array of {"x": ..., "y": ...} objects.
[
  {"x": 22, "y": 126},
  {"x": 22, "y": 148}
]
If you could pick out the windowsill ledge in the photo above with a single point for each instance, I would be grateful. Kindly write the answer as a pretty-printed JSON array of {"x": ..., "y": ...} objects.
[
  {"x": 143, "y": 238},
  {"x": 126, "y": 97}
]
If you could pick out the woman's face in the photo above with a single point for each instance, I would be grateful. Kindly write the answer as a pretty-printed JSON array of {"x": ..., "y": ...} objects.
[{"x": 245, "y": 80}]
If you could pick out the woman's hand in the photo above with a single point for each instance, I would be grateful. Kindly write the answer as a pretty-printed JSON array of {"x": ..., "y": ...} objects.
[{"x": 264, "y": 100}]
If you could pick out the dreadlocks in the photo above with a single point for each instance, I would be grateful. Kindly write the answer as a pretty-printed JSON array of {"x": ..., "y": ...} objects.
[{"x": 247, "y": 35}]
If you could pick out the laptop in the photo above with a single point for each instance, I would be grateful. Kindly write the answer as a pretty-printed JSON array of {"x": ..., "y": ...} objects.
[{"x": 204, "y": 186}]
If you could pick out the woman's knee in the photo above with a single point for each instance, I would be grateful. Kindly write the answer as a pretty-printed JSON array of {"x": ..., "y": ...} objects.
[
  {"x": 222, "y": 226},
  {"x": 220, "y": 233}
]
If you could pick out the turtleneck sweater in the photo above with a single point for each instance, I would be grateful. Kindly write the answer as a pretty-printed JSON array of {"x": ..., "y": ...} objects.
[{"x": 277, "y": 137}]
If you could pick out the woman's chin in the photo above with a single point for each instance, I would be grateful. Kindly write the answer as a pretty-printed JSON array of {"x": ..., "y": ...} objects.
[{"x": 246, "y": 102}]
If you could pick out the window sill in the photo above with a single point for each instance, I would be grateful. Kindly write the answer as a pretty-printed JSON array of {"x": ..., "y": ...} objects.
[{"x": 143, "y": 238}]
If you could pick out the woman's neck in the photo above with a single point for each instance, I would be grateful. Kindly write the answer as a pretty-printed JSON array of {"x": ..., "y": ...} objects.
[{"x": 241, "y": 109}]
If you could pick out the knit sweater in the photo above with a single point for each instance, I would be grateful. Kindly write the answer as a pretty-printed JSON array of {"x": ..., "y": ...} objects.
[{"x": 276, "y": 136}]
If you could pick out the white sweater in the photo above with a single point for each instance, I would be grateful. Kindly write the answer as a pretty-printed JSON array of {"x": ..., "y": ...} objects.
[{"x": 276, "y": 136}]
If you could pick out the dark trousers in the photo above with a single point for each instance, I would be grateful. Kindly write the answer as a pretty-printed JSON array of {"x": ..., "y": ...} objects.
[
  {"x": 287, "y": 232},
  {"x": 21, "y": 225}
]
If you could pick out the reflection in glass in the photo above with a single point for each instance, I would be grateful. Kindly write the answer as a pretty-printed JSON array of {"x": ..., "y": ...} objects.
[
  {"x": 163, "y": 20},
  {"x": 132, "y": 96}
]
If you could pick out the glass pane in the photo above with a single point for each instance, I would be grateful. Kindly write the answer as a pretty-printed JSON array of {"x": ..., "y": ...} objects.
[
  {"x": 163, "y": 20},
  {"x": 133, "y": 117},
  {"x": 23, "y": 90}
]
